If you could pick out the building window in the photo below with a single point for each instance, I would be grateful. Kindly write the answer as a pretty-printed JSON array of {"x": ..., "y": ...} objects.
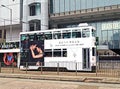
[
  {"x": 51, "y": 6},
  {"x": 0, "y": 33},
  {"x": 35, "y": 9},
  {"x": 35, "y": 25}
]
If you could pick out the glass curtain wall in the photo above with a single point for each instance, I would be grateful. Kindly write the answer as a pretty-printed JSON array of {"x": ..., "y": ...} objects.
[
  {"x": 58, "y": 6},
  {"x": 108, "y": 33}
]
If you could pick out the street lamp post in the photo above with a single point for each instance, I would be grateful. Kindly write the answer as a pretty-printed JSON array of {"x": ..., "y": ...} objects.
[{"x": 10, "y": 21}]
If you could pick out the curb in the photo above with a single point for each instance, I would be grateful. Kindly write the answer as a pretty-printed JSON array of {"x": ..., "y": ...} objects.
[{"x": 64, "y": 78}]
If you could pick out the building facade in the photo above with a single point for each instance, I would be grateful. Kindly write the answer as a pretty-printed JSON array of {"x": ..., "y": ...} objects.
[
  {"x": 32, "y": 15},
  {"x": 35, "y": 15},
  {"x": 9, "y": 20},
  {"x": 10, "y": 28},
  {"x": 104, "y": 15}
]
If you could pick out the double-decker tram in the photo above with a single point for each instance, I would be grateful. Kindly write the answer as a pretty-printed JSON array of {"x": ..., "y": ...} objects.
[{"x": 70, "y": 48}]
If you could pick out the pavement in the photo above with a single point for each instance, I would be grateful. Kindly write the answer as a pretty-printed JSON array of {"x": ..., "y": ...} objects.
[{"x": 108, "y": 80}]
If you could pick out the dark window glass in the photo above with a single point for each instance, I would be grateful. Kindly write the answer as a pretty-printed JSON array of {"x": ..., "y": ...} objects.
[
  {"x": 48, "y": 53},
  {"x": 64, "y": 53},
  {"x": 41, "y": 36},
  {"x": 35, "y": 25},
  {"x": 93, "y": 51},
  {"x": 57, "y": 35},
  {"x": 32, "y": 37},
  {"x": 32, "y": 10},
  {"x": 35, "y": 9},
  {"x": 66, "y": 34},
  {"x": 48, "y": 35},
  {"x": 76, "y": 34},
  {"x": 57, "y": 53},
  {"x": 93, "y": 33}
]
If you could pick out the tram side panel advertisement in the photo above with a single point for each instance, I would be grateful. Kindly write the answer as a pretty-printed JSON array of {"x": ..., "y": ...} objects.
[
  {"x": 8, "y": 59},
  {"x": 32, "y": 51},
  {"x": 36, "y": 53}
]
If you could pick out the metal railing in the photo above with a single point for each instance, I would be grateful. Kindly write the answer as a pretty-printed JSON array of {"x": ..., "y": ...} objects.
[
  {"x": 103, "y": 69},
  {"x": 108, "y": 68}
]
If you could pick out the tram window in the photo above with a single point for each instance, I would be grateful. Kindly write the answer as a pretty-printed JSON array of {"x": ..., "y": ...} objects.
[
  {"x": 76, "y": 34},
  {"x": 64, "y": 53},
  {"x": 93, "y": 33},
  {"x": 31, "y": 37},
  {"x": 48, "y": 53},
  {"x": 66, "y": 34},
  {"x": 41, "y": 36},
  {"x": 24, "y": 41},
  {"x": 93, "y": 51},
  {"x": 23, "y": 37},
  {"x": 48, "y": 35},
  {"x": 85, "y": 32},
  {"x": 57, "y": 35},
  {"x": 57, "y": 53}
]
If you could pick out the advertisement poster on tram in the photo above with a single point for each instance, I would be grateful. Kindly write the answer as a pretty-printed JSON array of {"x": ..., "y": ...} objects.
[
  {"x": 32, "y": 50},
  {"x": 36, "y": 52}
]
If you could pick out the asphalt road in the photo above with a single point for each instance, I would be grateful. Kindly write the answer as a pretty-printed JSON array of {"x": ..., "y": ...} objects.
[{"x": 14, "y": 83}]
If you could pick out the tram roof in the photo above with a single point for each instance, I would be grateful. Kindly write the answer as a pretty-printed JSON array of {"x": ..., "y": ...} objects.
[{"x": 57, "y": 29}]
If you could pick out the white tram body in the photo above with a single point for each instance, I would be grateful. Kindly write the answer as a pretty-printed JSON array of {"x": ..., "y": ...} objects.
[{"x": 70, "y": 48}]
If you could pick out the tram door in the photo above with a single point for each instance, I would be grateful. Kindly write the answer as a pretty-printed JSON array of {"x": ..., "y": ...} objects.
[{"x": 86, "y": 58}]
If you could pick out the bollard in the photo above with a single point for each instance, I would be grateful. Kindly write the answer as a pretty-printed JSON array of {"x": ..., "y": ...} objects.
[
  {"x": 57, "y": 68},
  {"x": 96, "y": 68},
  {"x": 26, "y": 67},
  {"x": 118, "y": 74},
  {"x": 41, "y": 68},
  {"x": 76, "y": 68},
  {"x": 12, "y": 67},
  {"x": 0, "y": 67}
]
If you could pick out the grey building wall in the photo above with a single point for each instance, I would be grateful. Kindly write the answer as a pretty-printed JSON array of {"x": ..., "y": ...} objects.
[{"x": 37, "y": 20}]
